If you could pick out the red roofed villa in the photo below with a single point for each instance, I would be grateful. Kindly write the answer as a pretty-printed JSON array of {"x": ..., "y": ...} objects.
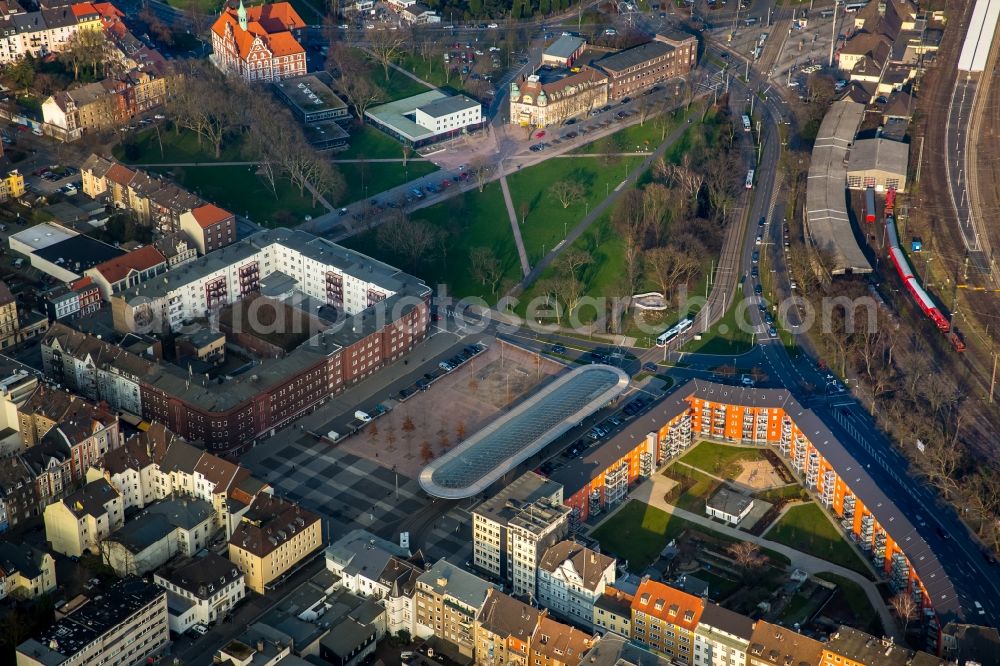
[
  {"x": 260, "y": 43},
  {"x": 209, "y": 227}
]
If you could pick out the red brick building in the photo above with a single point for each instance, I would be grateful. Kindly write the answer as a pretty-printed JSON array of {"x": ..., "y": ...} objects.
[
  {"x": 261, "y": 43},
  {"x": 209, "y": 227},
  {"x": 668, "y": 56}
]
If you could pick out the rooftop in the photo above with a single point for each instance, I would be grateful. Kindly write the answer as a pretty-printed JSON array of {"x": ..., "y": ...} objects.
[
  {"x": 783, "y": 647},
  {"x": 142, "y": 259},
  {"x": 669, "y": 604},
  {"x": 524, "y": 490},
  {"x": 309, "y": 94},
  {"x": 200, "y": 576},
  {"x": 449, "y": 580},
  {"x": 729, "y": 501},
  {"x": 862, "y": 648},
  {"x": 78, "y": 253},
  {"x": 507, "y": 617},
  {"x": 448, "y": 105},
  {"x": 209, "y": 214},
  {"x": 360, "y": 551},
  {"x": 637, "y": 55},
  {"x": 615, "y": 650},
  {"x": 879, "y": 154},
  {"x": 66, "y": 637},
  {"x": 564, "y": 47},
  {"x": 827, "y": 221},
  {"x": 269, "y": 522},
  {"x": 43, "y": 235},
  {"x": 474, "y": 465},
  {"x": 589, "y": 564}
]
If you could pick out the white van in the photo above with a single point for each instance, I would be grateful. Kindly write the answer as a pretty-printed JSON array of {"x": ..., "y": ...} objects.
[{"x": 37, "y": 131}]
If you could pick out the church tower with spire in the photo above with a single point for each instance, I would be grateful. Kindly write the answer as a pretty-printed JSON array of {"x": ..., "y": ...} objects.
[{"x": 241, "y": 16}]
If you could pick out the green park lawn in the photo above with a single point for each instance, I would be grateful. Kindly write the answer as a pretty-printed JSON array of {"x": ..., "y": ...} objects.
[
  {"x": 637, "y": 533},
  {"x": 472, "y": 219},
  {"x": 177, "y": 146},
  {"x": 693, "y": 498},
  {"x": 369, "y": 143},
  {"x": 727, "y": 336},
  {"x": 640, "y": 137},
  {"x": 546, "y": 221},
  {"x": 719, "y": 459},
  {"x": 371, "y": 178},
  {"x": 806, "y": 528},
  {"x": 238, "y": 189}
]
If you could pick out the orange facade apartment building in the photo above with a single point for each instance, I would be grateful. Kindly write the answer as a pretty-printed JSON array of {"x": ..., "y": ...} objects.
[{"x": 699, "y": 410}]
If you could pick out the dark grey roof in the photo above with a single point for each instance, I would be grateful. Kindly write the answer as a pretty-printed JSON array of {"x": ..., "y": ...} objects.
[
  {"x": 160, "y": 519},
  {"x": 565, "y": 46},
  {"x": 180, "y": 457},
  {"x": 195, "y": 574},
  {"x": 79, "y": 249},
  {"x": 522, "y": 491},
  {"x": 459, "y": 584},
  {"x": 615, "y": 650},
  {"x": 737, "y": 624},
  {"x": 637, "y": 55},
  {"x": 21, "y": 557},
  {"x": 347, "y": 636},
  {"x": 577, "y": 473},
  {"x": 361, "y": 552},
  {"x": 91, "y": 498},
  {"x": 66, "y": 637},
  {"x": 448, "y": 105}
]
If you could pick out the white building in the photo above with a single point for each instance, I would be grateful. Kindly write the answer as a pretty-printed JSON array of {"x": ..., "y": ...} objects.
[
  {"x": 515, "y": 527},
  {"x": 373, "y": 567},
  {"x": 164, "y": 529},
  {"x": 200, "y": 590},
  {"x": 78, "y": 523},
  {"x": 427, "y": 118},
  {"x": 722, "y": 637},
  {"x": 571, "y": 578},
  {"x": 312, "y": 266},
  {"x": 729, "y": 505},
  {"x": 43, "y": 32}
]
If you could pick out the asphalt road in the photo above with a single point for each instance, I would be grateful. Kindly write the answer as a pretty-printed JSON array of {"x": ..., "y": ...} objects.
[{"x": 963, "y": 98}]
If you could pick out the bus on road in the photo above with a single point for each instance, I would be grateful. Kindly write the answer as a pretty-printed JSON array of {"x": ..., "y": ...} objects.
[
  {"x": 749, "y": 183},
  {"x": 746, "y": 123}
]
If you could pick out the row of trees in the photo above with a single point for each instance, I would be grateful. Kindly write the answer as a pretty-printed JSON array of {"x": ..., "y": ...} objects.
[{"x": 220, "y": 109}]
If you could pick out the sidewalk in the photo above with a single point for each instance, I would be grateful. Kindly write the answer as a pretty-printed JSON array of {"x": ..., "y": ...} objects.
[{"x": 651, "y": 492}]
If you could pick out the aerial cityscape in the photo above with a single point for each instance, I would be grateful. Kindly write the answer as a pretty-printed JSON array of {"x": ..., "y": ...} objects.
[{"x": 321, "y": 342}]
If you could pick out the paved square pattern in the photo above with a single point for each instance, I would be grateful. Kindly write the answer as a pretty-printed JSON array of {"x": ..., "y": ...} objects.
[{"x": 351, "y": 492}]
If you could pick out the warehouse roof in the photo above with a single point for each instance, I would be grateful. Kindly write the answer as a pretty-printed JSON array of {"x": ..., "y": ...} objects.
[
  {"x": 879, "y": 155},
  {"x": 565, "y": 46},
  {"x": 827, "y": 221}
]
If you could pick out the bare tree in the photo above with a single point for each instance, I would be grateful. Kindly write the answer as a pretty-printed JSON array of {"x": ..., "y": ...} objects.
[
  {"x": 747, "y": 557},
  {"x": 656, "y": 201},
  {"x": 572, "y": 260},
  {"x": 353, "y": 82},
  {"x": 486, "y": 268},
  {"x": 481, "y": 170},
  {"x": 385, "y": 46},
  {"x": 670, "y": 267},
  {"x": 905, "y": 608},
  {"x": 413, "y": 239},
  {"x": 628, "y": 223},
  {"x": 567, "y": 192}
]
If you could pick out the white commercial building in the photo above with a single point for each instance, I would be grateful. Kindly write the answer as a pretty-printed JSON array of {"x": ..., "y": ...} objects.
[
  {"x": 571, "y": 578},
  {"x": 515, "y": 527},
  {"x": 427, "y": 118},
  {"x": 729, "y": 505}
]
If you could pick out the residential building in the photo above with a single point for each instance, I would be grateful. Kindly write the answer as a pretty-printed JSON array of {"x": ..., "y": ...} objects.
[
  {"x": 418, "y": 14},
  {"x": 427, "y": 118},
  {"x": 127, "y": 271},
  {"x": 387, "y": 315},
  {"x": 161, "y": 531},
  {"x": 571, "y": 578},
  {"x": 12, "y": 185},
  {"x": 613, "y": 612},
  {"x": 671, "y": 54},
  {"x": 555, "y": 644},
  {"x": 722, "y": 637},
  {"x": 18, "y": 500},
  {"x": 373, "y": 567},
  {"x": 273, "y": 537},
  {"x": 448, "y": 601},
  {"x": 130, "y": 468},
  {"x": 25, "y": 571},
  {"x": 200, "y": 590},
  {"x": 512, "y": 529},
  {"x": 78, "y": 523},
  {"x": 127, "y": 624},
  {"x": 665, "y": 619},
  {"x": 154, "y": 200},
  {"x": 209, "y": 228},
  {"x": 538, "y": 103},
  {"x": 10, "y": 323},
  {"x": 78, "y": 298},
  {"x": 616, "y": 650},
  {"x": 261, "y": 43},
  {"x": 564, "y": 51},
  {"x": 38, "y": 33},
  {"x": 503, "y": 630},
  {"x": 177, "y": 248},
  {"x": 970, "y": 643},
  {"x": 849, "y": 647},
  {"x": 773, "y": 645},
  {"x": 729, "y": 505},
  {"x": 205, "y": 345}
]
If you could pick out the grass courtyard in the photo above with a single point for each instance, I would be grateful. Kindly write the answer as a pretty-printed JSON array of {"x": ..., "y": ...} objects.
[
  {"x": 806, "y": 528},
  {"x": 640, "y": 137},
  {"x": 638, "y": 532},
  {"x": 699, "y": 487},
  {"x": 369, "y": 143},
  {"x": 167, "y": 146},
  {"x": 720, "y": 459}
]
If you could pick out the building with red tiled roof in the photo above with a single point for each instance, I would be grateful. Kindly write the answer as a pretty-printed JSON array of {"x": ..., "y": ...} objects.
[
  {"x": 260, "y": 43},
  {"x": 209, "y": 227},
  {"x": 665, "y": 619},
  {"x": 273, "y": 536},
  {"x": 128, "y": 270}
]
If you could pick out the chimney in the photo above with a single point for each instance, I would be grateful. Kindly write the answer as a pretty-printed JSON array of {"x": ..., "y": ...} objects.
[{"x": 260, "y": 645}]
